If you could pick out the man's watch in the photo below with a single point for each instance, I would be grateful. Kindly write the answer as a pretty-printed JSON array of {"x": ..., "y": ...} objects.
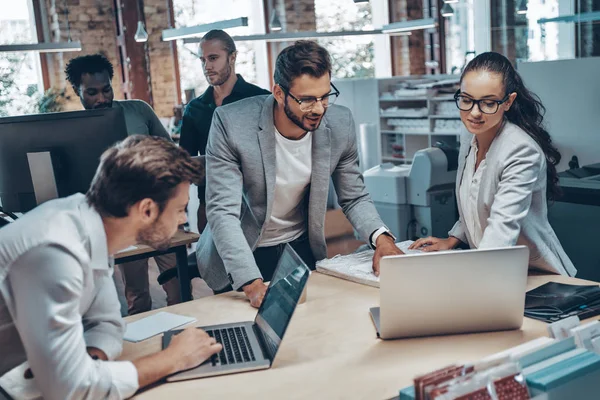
[{"x": 381, "y": 231}]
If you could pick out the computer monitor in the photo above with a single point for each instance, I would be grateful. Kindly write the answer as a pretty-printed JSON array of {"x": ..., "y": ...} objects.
[{"x": 65, "y": 146}]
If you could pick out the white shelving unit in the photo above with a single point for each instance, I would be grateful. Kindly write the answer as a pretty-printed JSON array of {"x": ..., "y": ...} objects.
[{"x": 409, "y": 123}]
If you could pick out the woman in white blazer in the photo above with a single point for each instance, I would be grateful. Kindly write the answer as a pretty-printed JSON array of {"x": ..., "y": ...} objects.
[{"x": 507, "y": 168}]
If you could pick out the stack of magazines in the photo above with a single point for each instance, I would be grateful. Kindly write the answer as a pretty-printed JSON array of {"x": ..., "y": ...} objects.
[{"x": 555, "y": 301}]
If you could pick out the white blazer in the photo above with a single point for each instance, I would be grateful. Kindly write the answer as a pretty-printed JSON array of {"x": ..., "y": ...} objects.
[{"x": 511, "y": 202}]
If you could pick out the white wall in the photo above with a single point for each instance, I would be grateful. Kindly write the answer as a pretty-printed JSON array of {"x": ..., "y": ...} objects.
[{"x": 570, "y": 91}]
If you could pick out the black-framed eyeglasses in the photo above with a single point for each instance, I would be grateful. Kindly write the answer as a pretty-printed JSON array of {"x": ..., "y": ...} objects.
[
  {"x": 308, "y": 103},
  {"x": 486, "y": 106}
]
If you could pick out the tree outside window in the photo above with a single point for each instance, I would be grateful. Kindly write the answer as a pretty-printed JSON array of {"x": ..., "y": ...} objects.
[{"x": 20, "y": 85}]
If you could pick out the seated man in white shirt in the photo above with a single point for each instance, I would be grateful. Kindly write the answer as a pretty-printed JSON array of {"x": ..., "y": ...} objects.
[{"x": 59, "y": 309}]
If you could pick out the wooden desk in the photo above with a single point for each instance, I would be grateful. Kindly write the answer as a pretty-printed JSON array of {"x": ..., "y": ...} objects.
[
  {"x": 178, "y": 246},
  {"x": 330, "y": 350}
]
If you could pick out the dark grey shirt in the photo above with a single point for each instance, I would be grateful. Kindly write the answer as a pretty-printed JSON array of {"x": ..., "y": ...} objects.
[{"x": 141, "y": 119}]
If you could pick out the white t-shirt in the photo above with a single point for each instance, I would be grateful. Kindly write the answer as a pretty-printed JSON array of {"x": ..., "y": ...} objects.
[
  {"x": 294, "y": 170},
  {"x": 469, "y": 193}
]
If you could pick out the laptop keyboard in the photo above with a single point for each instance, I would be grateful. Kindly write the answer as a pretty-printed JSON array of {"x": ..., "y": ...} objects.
[{"x": 236, "y": 346}]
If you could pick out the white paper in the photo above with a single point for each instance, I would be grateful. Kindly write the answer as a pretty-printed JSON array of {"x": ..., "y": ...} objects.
[
  {"x": 154, "y": 325},
  {"x": 357, "y": 267},
  {"x": 128, "y": 249},
  {"x": 19, "y": 388}
]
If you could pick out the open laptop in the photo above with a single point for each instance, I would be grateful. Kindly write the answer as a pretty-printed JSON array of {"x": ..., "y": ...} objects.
[
  {"x": 451, "y": 292},
  {"x": 249, "y": 346}
]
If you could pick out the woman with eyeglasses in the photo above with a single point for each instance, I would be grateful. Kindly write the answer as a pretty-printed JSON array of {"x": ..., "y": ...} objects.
[{"x": 507, "y": 168}]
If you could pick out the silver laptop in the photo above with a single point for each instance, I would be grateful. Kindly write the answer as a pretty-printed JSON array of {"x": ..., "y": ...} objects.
[
  {"x": 249, "y": 346},
  {"x": 451, "y": 292}
]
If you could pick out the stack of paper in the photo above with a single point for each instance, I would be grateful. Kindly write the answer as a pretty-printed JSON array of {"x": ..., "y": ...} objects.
[{"x": 357, "y": 267}]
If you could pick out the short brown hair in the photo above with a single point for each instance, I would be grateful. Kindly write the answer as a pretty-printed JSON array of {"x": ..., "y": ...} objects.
[
  {"x": 303, "y": 57},
  {"x": 137, "y": 168}
]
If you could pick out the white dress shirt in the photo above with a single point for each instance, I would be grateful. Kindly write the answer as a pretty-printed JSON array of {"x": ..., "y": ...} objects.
[
  {"x": 57, "y": 297},
  {"x": 294, "y": 170},
  {"x": 469, "y": 193}
]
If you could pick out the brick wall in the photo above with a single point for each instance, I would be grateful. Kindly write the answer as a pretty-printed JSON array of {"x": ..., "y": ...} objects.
[
  {"x": 295, "y": 16},
  {"x": 93, "y": 23},
  {"x": 408, "y": 52},
  {"x": 162, "y": 64}
]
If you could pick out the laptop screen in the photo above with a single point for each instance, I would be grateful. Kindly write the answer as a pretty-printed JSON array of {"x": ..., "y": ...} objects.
[{"x": 281, "y": 298}]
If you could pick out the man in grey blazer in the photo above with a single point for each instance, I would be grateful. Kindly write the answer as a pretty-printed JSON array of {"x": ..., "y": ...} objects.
[{"x": 269, "y": 160}]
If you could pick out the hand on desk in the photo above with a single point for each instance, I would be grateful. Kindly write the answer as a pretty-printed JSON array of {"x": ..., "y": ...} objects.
[
  {"x": 434, "y": 244},
  {"x": 385, "y": 246},
  {"x": 255, "y": 292}
]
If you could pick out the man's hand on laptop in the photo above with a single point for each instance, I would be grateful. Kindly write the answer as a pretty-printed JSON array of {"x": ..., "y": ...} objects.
[
  {"x": 385, "y": 246},
  {"x": 434, "y": 244},
  {"x": 255, "y": 292},
  {"x": 191, "y": 348}
]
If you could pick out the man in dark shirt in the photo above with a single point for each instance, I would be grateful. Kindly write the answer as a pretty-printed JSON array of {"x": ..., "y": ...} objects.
[{"x": 217, "y": 54}]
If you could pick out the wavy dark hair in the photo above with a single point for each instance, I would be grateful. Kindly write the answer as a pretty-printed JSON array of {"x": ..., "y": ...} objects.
[{"x": 527, "y": 111}]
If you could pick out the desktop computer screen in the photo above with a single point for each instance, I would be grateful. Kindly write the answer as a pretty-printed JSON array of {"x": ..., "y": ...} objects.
[{"x": 74, "y": 142}]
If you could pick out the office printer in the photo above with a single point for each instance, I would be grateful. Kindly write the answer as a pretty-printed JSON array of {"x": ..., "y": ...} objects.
[{"x": 416, "y": 200}]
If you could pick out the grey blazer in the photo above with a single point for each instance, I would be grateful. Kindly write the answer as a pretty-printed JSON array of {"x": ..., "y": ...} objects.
[
  {"x": 512, "y": 200},
  {"x": 240, "y": 184}
]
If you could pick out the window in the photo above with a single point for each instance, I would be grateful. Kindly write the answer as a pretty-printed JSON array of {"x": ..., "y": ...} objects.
[
  {"x": 527, "y": 37},
  {"x": 20, "y": 72},
  {"x": 460, "y": 36},
  {"x": 195, "y": 12},
  {"x": 352, "y": 56}
]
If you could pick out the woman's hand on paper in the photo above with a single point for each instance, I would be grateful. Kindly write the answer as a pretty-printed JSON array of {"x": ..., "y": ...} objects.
[{"x": 431, "y": 243}]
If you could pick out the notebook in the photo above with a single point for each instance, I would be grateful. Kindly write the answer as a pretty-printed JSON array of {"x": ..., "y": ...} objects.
[{"x": 555, "y": 301}]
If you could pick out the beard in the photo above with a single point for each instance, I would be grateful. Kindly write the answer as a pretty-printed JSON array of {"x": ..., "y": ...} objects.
[
  {"x": 102, "y": 106},
  {"x": 222, "y": 76},
  {"x": 301, "y": 122},
  {"x": 155, "y": 237}
]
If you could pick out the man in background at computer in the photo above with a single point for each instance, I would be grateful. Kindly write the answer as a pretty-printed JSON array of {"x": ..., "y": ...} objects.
[
  {"x": 59, "y": 310},
  {"x": 217, "y": 54},
  {"x": 279, "y": 153},
  {"x": 91, "y": 78}
]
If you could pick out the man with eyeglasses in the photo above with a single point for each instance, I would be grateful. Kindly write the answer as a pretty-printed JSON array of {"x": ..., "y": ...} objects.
[{"x": 269, "y": 160}]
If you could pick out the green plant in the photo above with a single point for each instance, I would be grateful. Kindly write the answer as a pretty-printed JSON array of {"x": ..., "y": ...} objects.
[{"x": 52, "y": 101}]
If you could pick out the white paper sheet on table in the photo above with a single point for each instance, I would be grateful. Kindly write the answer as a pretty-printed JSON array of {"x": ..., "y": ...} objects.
[
  {"x": 153, "y": 325},
  {"x": 357, "y": 267}
]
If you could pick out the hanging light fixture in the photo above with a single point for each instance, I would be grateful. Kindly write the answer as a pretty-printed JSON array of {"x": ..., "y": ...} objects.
[
  {"x": 522, "y": 8},
  {"x": 275, "y": 24},
  {"x": 447, "y": 10},
  {"x": 141, "y": 35}
]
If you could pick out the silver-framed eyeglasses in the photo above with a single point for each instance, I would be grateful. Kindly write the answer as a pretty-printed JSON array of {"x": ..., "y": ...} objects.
[
  {"x": 308, "y": 103},
  {"x": 486, "y": 106}
]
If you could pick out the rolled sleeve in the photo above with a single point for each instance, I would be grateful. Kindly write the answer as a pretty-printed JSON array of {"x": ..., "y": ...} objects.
[
  {"x": 102, "y": 322},
  {"x": 124, "y": 377},
  {"x": 458, "y": 231},
  {"x": 48, "y": 286}
]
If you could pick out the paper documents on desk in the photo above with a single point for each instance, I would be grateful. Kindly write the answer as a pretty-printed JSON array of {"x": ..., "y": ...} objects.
[
  {"x": 357, "y": 267},
  {"x": 154, "y": 325},
  {"x": 16, "y": 386}
]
